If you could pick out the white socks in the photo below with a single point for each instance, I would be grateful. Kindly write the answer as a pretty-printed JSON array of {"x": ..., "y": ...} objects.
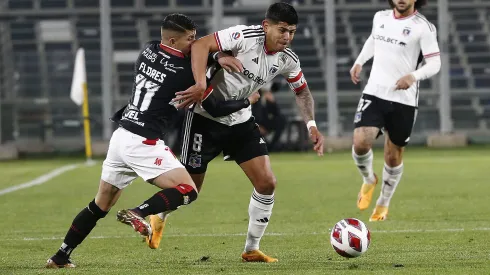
[
  {"x": 391, "y": 178},
  {"x": 365, "y": 165},
  {"x": 259, "y": 211}
]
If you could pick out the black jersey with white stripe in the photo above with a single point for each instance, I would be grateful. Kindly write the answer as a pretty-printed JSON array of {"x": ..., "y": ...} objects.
[{"x": 159, "y": 72}]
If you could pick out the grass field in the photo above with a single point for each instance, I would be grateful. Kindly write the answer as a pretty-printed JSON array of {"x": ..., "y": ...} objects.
[{"x": 439, "y": 220}]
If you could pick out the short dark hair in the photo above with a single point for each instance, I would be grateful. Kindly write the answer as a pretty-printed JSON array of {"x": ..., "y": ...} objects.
[
  {"x": 282, "y": 12},
  {"x": 178, "y": 22},
  {"x": 418, "y": 5}
]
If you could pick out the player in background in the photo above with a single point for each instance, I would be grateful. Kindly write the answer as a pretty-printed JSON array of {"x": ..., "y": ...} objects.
[
  {"x": 263, "y": 51},
  {"x": 135, "y": 149},
  {"x": 401, "y": 39}
]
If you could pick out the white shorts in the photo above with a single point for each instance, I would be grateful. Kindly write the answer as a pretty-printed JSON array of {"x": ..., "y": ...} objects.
[{"x": 128, "y": 157}]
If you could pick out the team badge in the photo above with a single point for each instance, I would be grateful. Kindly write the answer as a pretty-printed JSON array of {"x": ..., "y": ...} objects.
[
  {"x": 235, "y": 35},
  {"x": 194, "y": 160},
  {"x": 406, "y": 31},
  {"x": 273, "y": 70},
  {"x": 357, "y": 117}
]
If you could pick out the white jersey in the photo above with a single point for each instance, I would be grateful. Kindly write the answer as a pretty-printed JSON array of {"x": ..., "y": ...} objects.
[
  {"x": 400, "y": 44},
  {"x": 247, "y": 43}
]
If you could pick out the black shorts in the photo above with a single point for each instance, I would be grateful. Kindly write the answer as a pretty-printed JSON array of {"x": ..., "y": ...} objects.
[
  {"x": 396, "y": 118},
  {"x": 204, "y": 139}
]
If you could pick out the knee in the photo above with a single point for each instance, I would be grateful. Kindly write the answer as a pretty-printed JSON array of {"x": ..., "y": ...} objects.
[
  {"x": 361, "y": 145},
  {"x": 266, "y": 184},
  {"x": 392, "y": 157}
]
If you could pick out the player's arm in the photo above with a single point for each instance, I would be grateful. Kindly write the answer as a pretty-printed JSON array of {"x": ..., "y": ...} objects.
[
  {"x": 218, "y": 108},
  {"x": 225, "y": 40},
  {"x": 305, "y": 102},
  {"x": 430, "y": 51},
  {"x": 366, "y": 53}
]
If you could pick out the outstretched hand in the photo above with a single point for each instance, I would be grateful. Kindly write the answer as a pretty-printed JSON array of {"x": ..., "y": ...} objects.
[{"x": 317, "y": 139}]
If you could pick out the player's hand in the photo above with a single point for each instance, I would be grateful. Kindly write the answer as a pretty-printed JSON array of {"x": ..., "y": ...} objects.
[
  {"x": 253, "y": 98},
  {"x": 355, "y": 73},
  {"x": 190, "y": 96},
  {"x": 230, "y": 63},
  {"x": 317, "y": 139},
  {"x": 405, "y": 82}
]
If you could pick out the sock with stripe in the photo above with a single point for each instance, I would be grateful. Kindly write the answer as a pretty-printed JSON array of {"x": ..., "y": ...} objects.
[
  {"x": 81, "y": 226},
  {"x": 364, "y": 164},
  {"x": 167, "y": 200},
  {"x": 391, "y": 178},
  {"x": 259, "y": 211}
]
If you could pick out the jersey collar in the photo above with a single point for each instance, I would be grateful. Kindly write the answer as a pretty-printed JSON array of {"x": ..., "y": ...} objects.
[
  {"x": 404, "y": 17},
  {"x": 171, "y": 50},
  {"x": 267, "y": 51}
]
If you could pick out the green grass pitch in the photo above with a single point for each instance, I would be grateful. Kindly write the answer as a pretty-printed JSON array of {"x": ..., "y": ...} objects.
[{"x": 439, "y": 221}]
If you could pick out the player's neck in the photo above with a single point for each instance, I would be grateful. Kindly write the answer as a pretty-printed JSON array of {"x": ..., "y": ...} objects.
[
  {"x": 267, "y": 49},
  {"x": 407, "y": 13},
  {"x": 171, "y": 50}
]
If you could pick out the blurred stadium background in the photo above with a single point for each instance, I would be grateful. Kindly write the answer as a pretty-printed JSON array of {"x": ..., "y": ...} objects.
[{"x": 39, "y": 39}]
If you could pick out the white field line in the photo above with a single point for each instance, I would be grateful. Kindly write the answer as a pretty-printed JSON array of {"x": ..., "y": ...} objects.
[
  {"x": 39, "y": 180},
  {"x": 267, "y": 234}
]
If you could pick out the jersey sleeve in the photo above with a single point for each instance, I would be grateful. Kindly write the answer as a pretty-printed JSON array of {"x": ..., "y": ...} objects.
[
  {"x": 292, "y": 72},
  {"x": 230, "y": 39},
  {"x": 428, "y": 42}
]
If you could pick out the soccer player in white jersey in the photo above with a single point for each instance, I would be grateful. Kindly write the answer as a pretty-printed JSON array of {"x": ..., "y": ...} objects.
[
  {"x": 401, "y": 39},
  {"x": 263, "y": 51}
]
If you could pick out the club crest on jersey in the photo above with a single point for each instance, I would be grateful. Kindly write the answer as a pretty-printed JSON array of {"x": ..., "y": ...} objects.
[
  {"x": 274, "y": 69},
  {"x": 236, "y": 35},
  {"x": 406, "y": 31},
  {"x": 194, "y": 160}
]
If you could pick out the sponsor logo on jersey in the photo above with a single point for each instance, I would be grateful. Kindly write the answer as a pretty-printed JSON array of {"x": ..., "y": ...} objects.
[
  {"x": 170, "y": 67},
  {"x": 256, "y": 60},
  {"x": 164, "y": 55},
  {"x": 257, "y": 79},
  {"x": 382, "y": 26},
  {"x": 150, "y": 55},
  {"x": 236, "y": 35},
  {"x": 389, "y": 40}
]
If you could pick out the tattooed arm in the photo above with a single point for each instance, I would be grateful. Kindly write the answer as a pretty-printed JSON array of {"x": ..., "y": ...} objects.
[{"x": 306, "y": 105}]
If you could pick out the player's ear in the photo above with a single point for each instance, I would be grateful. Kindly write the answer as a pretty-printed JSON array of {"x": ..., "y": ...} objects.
[
  {"x": 265, "y": 25},
  {"x": 172, "y": 41}
]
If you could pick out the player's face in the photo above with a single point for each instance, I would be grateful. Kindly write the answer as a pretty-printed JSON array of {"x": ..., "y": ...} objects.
[
  {"x": 183, "y": 42},
  {"x": 403, "y": 5},
  {"x": 278, "y": 36}
]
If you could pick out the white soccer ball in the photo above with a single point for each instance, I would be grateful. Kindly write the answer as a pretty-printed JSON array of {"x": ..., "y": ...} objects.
[{"x": 350, "y": 238}]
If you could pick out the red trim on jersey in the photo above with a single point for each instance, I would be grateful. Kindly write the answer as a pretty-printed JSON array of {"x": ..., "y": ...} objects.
[
  {"x": 208, "y": 91},
  {"x": 432, "y": 55},
  {"x": 216, "y": 38},
  {"x": 150, "y": 141},
  {"x": 404, "y": 17},
  {"x": 300, "y": 88},
  {"x": 267, "y": 51},
  {"x": 296, "y": 78},
  {"x": 171, "y": 50}
]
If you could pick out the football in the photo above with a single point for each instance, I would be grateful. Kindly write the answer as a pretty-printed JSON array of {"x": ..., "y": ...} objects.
[{"x": 350, "y": 238}]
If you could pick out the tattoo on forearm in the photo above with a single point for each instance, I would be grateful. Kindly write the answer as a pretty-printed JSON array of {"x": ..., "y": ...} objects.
[{"x": 306, "y": 105}]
